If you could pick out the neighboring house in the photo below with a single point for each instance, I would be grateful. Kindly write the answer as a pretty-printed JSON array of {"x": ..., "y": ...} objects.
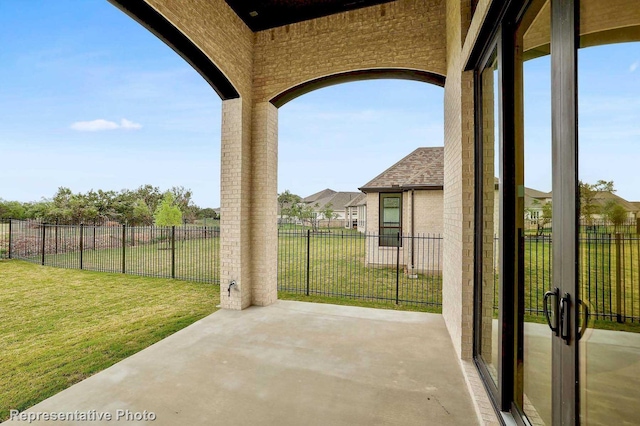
[
  {"x": 337, "y": 200},
  {"x": 407, "y": 199},
  {"x": 602, "y": 198},
  {"x": 357, "y": 213},
  {"x": 534, "y": 202}
]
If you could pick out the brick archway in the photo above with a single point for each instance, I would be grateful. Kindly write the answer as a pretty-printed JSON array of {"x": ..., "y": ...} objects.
[{"x": 356, "y": 75}]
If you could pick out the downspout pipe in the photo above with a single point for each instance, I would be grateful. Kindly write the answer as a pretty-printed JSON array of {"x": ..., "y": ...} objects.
[{"x": 411, "y": 271}]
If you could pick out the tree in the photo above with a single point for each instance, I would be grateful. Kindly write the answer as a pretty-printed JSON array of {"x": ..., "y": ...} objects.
[
  {"x": 306, "y": 214},
  {"x": 168, "y": 213},
  {"x": 182, "y": 198},
  {"x": 12, "y": 210},
  {"x": 141, "y": 214},
  {"x": 207, "y": 213},
  {"x": 541, "y": 220},
  {"x": 615, "y": 213},
  {"x": 588, "y": 206},
  {"x": 328, "y": 213},
  {"x": 288, "y": 203}
]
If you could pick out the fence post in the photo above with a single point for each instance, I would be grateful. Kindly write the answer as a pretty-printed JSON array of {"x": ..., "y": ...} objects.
[
  {"x": 124, "y": 247},
  {"x": 308, "y": 257},
  {"x": 173, "y": 251},
  {"x": 56, "y": 235},
  {"x": 81, "y": 243},
  {"x": 620, "y": 315},
  {"x": 44, "y": 225},
  {"x": 10, "y": 232},
  {"x": 638, "y": 225},
  {"x": 397, "y": 268}
]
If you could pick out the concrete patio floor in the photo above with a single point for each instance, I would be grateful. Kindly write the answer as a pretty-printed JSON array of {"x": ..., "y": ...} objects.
[{"x": 291, "y": 363}]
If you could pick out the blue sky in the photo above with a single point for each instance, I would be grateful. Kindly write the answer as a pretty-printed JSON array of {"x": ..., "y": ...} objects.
[
  {"x": 90, "y": 99},
  {"x": 68, "y": 63}
]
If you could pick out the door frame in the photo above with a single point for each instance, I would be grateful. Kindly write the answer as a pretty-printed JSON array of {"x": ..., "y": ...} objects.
[{"x": 507, "y": 395}]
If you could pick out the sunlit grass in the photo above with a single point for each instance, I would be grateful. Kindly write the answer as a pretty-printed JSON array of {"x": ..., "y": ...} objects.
[{"x": 59, "y": 326}]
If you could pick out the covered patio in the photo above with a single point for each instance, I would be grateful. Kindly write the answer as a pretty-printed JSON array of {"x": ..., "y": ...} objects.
[{"x": 289, "y": 363}]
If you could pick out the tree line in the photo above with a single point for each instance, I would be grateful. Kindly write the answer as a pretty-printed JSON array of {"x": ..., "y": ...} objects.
[{"x": 144, "y": 206}]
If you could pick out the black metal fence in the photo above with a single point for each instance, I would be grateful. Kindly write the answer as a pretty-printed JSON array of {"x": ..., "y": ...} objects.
[
  {"x": 630, "y": 226},
  {"x": 335, "y": 263},
  {"x": 189, "y": 253},
  {"x": 350, "y": 264},
  {"x": 609, "y": 274}
]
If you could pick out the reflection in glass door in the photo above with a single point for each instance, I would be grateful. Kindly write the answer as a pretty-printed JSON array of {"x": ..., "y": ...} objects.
[
  {"x": 534, "y": 65},
  {"x": 488, "y": 336},
  {"x": 609, "y": 231}
]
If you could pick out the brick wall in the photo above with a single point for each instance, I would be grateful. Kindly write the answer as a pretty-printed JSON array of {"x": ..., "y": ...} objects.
[{"x": 403, "y": 34}]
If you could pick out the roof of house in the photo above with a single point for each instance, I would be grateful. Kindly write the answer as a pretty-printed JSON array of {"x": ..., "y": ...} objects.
[
  {"x": 338, "y": 200},
  {"x": 534, "y": 193},
  {"x": 313, "y": 198},
  {"x": 358, "y": 201},
  {"x": 602, "y": 197},
  {"x": 423, "y": 168}
]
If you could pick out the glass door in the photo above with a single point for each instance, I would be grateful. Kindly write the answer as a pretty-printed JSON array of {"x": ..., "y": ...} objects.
[
  {"x": 608, "y": 233},
  {"x": 533, "y": 82}
]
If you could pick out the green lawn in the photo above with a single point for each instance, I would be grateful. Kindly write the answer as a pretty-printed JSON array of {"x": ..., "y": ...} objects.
[
  {"x": 599, "y": 273},
  {"x": 195, "y": 260},
  {"x": 59, "y": 326},
  {"x": 338, "y": 271}
]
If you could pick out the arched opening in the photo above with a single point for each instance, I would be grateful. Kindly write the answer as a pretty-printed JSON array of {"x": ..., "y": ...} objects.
[
  {"x": 356, "y": 75},
  {"x": 347, "y": 153}
]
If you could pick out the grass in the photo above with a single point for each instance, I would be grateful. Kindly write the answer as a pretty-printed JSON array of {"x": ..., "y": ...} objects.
[
  {"x": 195, "y": 260},
  {"x": 598, "y": 274},
  {"x": 59, "y": 326},
  {"x": 338, "y": 271}
]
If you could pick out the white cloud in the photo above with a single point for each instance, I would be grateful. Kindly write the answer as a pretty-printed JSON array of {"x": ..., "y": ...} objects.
[
  {"x": 634, "y": 66},
  {"x": 126, "y": 124},
  {"x": 100, "y": 125},
  {"x": 94, "y": 126}
]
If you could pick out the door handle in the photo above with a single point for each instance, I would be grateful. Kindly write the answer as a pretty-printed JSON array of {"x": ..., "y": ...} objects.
[
  {"x": 547, "y": 314},
  {"x": 565, "y": 306}
]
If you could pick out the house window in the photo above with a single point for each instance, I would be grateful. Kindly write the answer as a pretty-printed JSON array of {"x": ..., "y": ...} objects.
[{"x": 390, "y": 219}]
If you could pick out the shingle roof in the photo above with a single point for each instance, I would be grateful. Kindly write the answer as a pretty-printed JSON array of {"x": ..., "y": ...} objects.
[
  {"x": 338, "y": 200},
  {"x": 602, "y": 197},
  {"x": 424, "y": 167},
  {"x": 314, "y": 198},
  {"x": 534, "y": 193},
  {"x": 358, "y": 201}
]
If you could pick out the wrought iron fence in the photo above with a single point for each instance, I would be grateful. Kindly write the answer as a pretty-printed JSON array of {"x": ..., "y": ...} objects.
[
  {"x": 350, "y": 264},
  {"x": 184, "y": 252},
  {"x": 630, "y": 226},
  {"x": 335, "y": 262},
  {"x": 609, "y": 274}
]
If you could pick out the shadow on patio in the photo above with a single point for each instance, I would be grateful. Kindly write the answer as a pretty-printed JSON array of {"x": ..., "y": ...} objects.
[{"x": 290, "y": 363}]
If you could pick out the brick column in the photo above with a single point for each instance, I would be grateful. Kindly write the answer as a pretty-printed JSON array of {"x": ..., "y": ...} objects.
[
  {"x": 235, "y": 201},
  {"x": 264, "y": 204}
]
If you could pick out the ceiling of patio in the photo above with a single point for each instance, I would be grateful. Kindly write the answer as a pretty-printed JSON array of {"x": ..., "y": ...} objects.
[{"x": 265, "y": 14}]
